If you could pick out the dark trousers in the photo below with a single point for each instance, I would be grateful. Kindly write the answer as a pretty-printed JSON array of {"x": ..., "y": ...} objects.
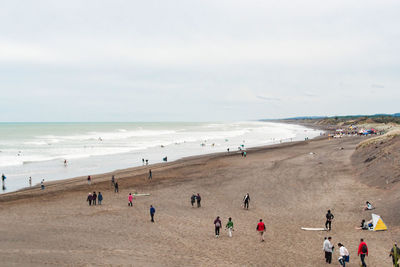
[
  {"x": 192, "y": 203},
  {"x": 90, "y": 203},
  {"x": 94, "y": 201},
  {"x": 328, "y": 257},
  {"x": 198, "y": 204},
  {"x": 217, "y": 230},
  {"x": 152, "y": 217},
  {"x": 362, "y": 257},
  {"x": 116, "y": 190},
  {"x": 130, "y": 203},
  {"x": 342, "y": 262},
  {"x": 246, "y": 205},
  {"x": 328, "y": 223}
]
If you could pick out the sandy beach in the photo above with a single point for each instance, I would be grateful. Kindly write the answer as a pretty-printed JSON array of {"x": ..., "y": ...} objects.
[{"x": 291, "y": 186}]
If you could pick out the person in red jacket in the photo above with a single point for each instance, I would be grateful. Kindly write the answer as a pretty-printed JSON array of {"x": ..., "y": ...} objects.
[
  {"x": 362, "y": 251},
  {"x": 261, "y": 229}
]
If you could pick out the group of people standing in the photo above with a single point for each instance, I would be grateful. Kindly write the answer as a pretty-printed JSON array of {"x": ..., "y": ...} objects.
[
  {"x": 94, "y": 198},
  {"x": 195, "y": 198},
  {"x": 344, "y": 255}
]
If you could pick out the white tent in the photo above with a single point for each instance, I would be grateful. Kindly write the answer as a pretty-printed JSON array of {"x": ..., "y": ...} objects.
[{"x": 377, "y": 223}]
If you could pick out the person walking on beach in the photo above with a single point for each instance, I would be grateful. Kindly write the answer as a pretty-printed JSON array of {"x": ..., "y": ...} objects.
[
  {"x": 229, "y": 226},
  {"x": 328, "y": 248},
  {"x": 198, "y": 198},
  {"x": 246, "y": 201},
  {"x": 142, "y": 161},
  {"x": 30, "y": 181},
  {"x": 89, "y": 199},
  {"x": 150, "y": 175},
  {"x": 152, "y": 211},
  {"x": 3, "y": 179},
  {"x": 362, "y": 252},
  {"x": 344, "y": 255},
  {"x": 130, "y": 198},
  {"x": 193, "y": 199},
  {"x": 395, "y": 254},
  {"x": 218, "y": 224},
  {"x": 94, "y": 197},
  {"x": 100, "y": 198},
  {"x": 329, "y": 217},
  {"x": 116, "y": 187},
  {"x": 113, "y": 180},
  {"x": 147, "y": 162},
  {"x": 261, "y": 229},
  {"x": 89, "y": 179},
  {"x": 65, "y": 163},
  {"x": 42, "y": 184}
]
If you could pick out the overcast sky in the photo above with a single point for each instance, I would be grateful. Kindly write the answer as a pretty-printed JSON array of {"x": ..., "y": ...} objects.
[{"x": 197, "y": 60}]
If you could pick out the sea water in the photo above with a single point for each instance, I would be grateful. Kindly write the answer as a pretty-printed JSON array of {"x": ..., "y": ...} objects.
[{"x": 38, "y": 150}]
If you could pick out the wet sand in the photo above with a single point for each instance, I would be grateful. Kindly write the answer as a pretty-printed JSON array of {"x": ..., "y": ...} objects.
[{"x": 289, "y": 188}]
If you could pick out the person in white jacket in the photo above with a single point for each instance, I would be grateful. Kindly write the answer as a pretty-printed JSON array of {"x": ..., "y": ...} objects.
[
  {"x": 344, "y": 255},
  {"x": 328, "y": 248}
]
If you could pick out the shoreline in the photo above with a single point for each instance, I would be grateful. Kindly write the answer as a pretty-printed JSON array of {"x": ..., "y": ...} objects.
[
  {"x": 76, "y": 183},
  {"x": 76, "y": 180}
]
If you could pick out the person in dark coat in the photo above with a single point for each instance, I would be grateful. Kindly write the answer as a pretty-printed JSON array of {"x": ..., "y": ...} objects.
[
  {"x": 89, "y": 199},
  {"x": 100, "y": 198},
  {"x": 198, "y": 198},
  {"x": 116, "y": 187},
  {"x": 152, "y": 212},
  {"x": 94, "y": 198}
]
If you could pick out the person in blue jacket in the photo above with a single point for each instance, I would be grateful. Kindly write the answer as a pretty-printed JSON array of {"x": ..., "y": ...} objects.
[
  {"x": 100, "y": 198},
  {"x": 152, "y": 211}
]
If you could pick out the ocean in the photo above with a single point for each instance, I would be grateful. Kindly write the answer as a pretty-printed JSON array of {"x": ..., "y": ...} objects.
[{"x": 38, "y": 150}]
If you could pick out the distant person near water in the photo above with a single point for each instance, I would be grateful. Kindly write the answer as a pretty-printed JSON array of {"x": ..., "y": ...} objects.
[
  {"x": 328, "y": 249},
  {"x": 3, "y": 179},
  {"x": 229, "y": 226},
  {"x": 113, "y": 180},
  {"x": 395, "y": 254},
  {"x": 329, "y": 217},
  {"x": 65, "y": 163},
  {"x": 198, "y": 198},
  {"x": 116, "y": 187},
  {"x": 42, "y": 184},
  {"x": 193, "y": 199},
  {"x": 130, "y": 198},
  {"x": 152, "y": 212},
  {"x": 261, "y": 229},
  {"x": 246, "y": 201},
  {"x": 147, "y": 162},
  {"x": 362, "y": 252},
  {"x": 218, "y": 224},
  {"x": 150, "y": 175},
  {"x": 142, "y": 161},
  {"x": 30, "y": 181},
  {"x": 89, "y": 179},
  {"x": 100, "y": 198}
]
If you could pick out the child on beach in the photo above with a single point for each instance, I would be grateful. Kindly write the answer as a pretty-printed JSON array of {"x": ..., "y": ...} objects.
[
  {"x": 130, "y": 198},
  {"x": 229, "y": 226}
]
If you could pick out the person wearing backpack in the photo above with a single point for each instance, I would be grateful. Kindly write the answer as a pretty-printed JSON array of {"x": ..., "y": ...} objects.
[
  {"x": 344, "y": 255},
  {"x": 362, "y": 251},
  {"x": 217, "y": 223}
]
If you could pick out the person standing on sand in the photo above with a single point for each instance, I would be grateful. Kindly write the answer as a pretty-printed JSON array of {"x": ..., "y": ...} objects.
[
  {"x": 89, "y": 199},
  {"x": 116, "y": 187},
  {"x": 198, "y": 198},
  {"x": 89, "y": 179},
  {"x": 229, "y": 226},
  {"x": 100, "y": 198},
  {"x": 147, "y": 162},
  {"x": 42, "y": 184},
  {"x": 328, "y": 248},
  {"x": 113, "y": 180},
  {"x": 30, "y": 181},
  {"x": 261, "y": 229},
  {"x": 246, "y": 201},
  {"x": 94, "y": 197},
  {"x": 395, "y": 253},
  {"x": 3, "y": 178},
  {"x": 142, "y": 161},
  {"x": 130, "y": 198},
  {"x": 193, "y": 199},
  {"x": 362, "y": 252},
  {"x": 150, "y": 175},
  {"x": 218, "y": 224},
  {"x": 152, "y": 211},
  {"x": 329, "y": 217}
]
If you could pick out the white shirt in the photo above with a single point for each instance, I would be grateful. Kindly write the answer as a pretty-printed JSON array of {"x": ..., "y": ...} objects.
[
  {"x": 343, "y": 251},
  {"x": 327, "y": 246}
]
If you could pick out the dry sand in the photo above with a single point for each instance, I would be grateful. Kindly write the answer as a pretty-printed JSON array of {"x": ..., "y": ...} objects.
[{"x": 288, "y": 186}]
